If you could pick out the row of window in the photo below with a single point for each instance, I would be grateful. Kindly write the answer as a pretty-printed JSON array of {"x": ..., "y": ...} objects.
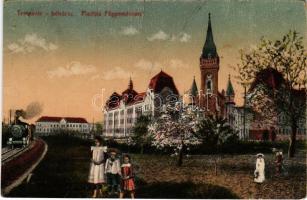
[
  {"x": 118, "y": 130},
  {"x": 130, "y": 120},
  {"x": 138, "y": 110},
  {"x": 49, "y": 130},
  {"x": 57, "y": 125}
]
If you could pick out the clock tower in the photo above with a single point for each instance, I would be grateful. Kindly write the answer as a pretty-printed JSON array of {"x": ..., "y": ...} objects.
[{"x": 209, "y": 67}]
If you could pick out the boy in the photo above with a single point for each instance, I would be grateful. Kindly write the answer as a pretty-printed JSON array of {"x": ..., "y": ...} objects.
[{"x": 113, "y": 172}]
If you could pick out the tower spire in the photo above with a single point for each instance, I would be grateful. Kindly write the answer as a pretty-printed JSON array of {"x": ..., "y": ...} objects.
[
  {"x": 209, "y": 49},
  {"x": 130, "y": 86},
  {"x": 194, "y": 90},
  {"x": 229, "y": 91}
]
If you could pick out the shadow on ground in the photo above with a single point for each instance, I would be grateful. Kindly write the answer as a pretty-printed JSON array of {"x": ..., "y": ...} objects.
[{"x": 187, "y": 190}]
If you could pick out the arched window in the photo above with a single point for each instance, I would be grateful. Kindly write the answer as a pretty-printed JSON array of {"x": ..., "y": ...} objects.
[{"x": 209, "y": 83}]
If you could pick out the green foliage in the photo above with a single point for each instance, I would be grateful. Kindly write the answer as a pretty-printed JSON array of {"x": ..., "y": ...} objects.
[
  {"x": 215, "y": 131},
  {"x": 98, "y": 127},
  {"x": 140, "y": 131}
]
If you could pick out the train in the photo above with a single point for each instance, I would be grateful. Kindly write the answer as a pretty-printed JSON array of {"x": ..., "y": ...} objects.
[{"x": 20, "y": 133}]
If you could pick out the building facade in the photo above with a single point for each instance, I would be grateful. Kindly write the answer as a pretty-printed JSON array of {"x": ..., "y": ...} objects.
[
  {"x": 122, "y": 110},
  {"x": 49, "y": 125},
  {"x": 277, "y": 121},
  {"x": 209, "y": 98}
]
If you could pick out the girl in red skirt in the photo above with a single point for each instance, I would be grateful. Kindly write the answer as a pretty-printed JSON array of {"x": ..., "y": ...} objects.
[{"x": 127, "y": 182}]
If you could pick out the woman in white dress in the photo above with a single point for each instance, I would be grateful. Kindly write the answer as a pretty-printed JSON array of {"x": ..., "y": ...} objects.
[
  {"x": 260, "y": 168},
  {"x": 96, "y": 174}
]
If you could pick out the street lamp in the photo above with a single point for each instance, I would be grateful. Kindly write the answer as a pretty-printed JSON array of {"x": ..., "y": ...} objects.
[{"x": 244, "y": 84}]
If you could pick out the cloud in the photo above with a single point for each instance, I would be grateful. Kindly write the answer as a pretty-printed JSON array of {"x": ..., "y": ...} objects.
[
  {"x": 177, "y": 64},
  {"x": 30, "y": 43},
  {"x": 184, "y": 37},
  {"x": 156, "y": 66},
  {"x": 112, "y": 74},
  {"x": 72, "y": 69},
  {"x": 160, "y": 35},
  {"x": 129, "y": 30},
  {"x": 147, "y": 65}
]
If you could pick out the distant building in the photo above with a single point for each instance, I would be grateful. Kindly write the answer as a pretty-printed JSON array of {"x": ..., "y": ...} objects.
[
  {"x": 278, "y": 122},
  {"x": 46, "y": 124},
  {"x": 122, "y": 110},
  {"x": 209, "y": 98}
]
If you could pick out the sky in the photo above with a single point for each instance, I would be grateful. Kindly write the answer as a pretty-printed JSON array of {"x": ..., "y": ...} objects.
[{"x": 71, "y": 64}]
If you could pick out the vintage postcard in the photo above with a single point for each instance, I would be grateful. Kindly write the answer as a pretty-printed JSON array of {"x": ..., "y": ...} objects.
[{"x": 185, "y": 99}]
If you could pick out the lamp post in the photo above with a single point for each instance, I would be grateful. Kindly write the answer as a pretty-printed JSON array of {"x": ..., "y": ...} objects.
[{"x": 244, "y": 84}]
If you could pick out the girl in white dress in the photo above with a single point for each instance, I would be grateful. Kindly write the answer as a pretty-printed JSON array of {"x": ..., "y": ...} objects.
[
  {"x": 260, "y": 168},
  {"x": 96, "y": 174}
]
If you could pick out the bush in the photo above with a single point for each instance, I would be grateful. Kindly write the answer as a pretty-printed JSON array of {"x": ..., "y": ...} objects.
[{"x": 235, "y": 147}]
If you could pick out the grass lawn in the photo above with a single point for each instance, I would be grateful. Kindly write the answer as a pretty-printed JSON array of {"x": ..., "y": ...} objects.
[{"x": 64, "y": 171}]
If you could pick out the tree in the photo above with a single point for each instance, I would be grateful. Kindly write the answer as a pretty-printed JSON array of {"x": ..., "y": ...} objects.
[
  {"x": 214, "y": 131},
  {"x": 140, "y": 130},
  {"x": 175, "y": 130},
  {"x": 283, "y": 94},
  {"x": 98, "y": 126}
]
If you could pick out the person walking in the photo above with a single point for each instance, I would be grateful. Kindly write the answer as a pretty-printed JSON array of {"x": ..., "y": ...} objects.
[{"x": 260, "y": 169}]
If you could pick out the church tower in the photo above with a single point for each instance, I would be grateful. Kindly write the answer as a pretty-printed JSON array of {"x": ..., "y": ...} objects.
[{"x": 209, "y": 67}]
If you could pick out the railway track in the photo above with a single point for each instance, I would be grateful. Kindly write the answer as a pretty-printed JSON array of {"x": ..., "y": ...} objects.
[{"x": 8, "y": 154}]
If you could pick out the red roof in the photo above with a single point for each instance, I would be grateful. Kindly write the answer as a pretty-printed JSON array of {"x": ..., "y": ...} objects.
[
  {"x": 49, "y": 119},
  {"x": 75, "y": 120},
  {"x": 113, "y": 101},
  {"x": 130, "y": 96},
  {"x": 58, "y": 119},
  {"x": 269, "y": 77},
  {"x": 161, "y": 80},
  {"x": 138, "y": 98}
]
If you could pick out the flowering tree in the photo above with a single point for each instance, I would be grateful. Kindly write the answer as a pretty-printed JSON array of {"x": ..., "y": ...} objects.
[
  {"x": 175, "y": 129},
  {"x": 286, "y": 60}
]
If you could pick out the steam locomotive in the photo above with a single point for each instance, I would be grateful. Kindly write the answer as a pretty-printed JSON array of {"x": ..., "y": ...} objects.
[{"x": 20, "y": 133}]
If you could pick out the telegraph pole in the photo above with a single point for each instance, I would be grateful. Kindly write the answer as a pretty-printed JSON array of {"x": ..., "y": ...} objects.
[{"x": 244, "y": 113}]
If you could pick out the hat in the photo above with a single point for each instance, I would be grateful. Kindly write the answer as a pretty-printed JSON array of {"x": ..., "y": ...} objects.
[
  {"x": 260, "y": 155},
  {"x": 110, "y": 150}
]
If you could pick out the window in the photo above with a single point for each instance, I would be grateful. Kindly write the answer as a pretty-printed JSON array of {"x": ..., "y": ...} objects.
[
  {"x": 209, "y": 85},
  {"x": 130, "y": 111}
]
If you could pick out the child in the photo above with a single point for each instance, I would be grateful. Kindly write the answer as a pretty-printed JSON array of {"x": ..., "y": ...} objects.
[
  {"x": 278, "y": 162},
  {"x": 96, "y": 174},
  {"x": 127, "y": 182},
  {"x": 112, "y": 169}
]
